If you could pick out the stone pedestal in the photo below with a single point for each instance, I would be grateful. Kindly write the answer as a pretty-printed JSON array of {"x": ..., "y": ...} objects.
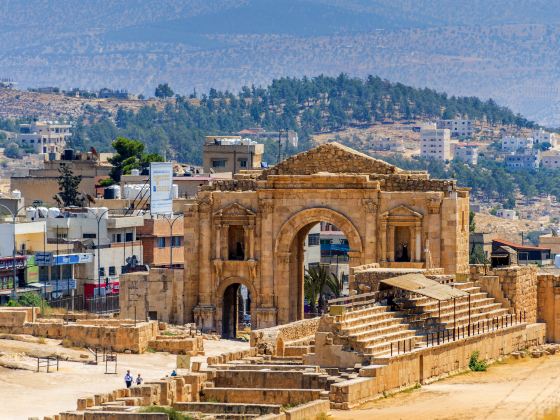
[
  {"x": 204, "y": 316},
  {"x": 266, "y": 317}
]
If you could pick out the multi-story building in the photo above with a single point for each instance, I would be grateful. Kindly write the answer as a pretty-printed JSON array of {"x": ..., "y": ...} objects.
[
  {"x": 109, "y": 237},
  {"x": 467, "y": 153},
  {"x": 541, "y": 136},
  {"x": 45, "y": 137},
  {"x": 162, "y": 242},
  {"x": 550, "y": 159},
  {"x": 513, "y": 144},
  {"x": 435, "y": 143},
  {"x": 520, "y": 161},
  {"x": 312, "y": 247},
  {"x": 458, "y": 127},
  {"x": 231, "y": 154},
  {"x": 42, "y": 184}
]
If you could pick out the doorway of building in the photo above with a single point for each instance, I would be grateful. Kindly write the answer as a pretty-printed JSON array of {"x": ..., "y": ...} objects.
[{"x": 236, "y": 310}]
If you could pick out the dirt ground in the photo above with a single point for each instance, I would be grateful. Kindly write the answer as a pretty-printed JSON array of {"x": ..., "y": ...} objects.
[
  {"x": 25, "y": 393},
  {"x": 516, "y": 389}
]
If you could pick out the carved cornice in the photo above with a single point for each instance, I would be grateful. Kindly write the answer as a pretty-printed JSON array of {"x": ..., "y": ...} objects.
[{"x": 370, "y": 205}]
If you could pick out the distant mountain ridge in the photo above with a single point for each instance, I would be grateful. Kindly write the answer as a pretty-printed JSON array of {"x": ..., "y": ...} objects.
[{"x": 493, "y": 48}]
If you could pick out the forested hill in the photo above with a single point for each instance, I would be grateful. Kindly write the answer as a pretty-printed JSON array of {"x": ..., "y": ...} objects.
[{"x": 307, "y": 105}]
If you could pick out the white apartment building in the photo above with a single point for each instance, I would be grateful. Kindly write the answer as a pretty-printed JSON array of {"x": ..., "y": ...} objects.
[
  {"x": 458, "y": 127},
  {"x": 435, "y": 143},
  {"x": 45, "y": 137},
  {"x": 542, "y": 136},
  {"x": 467, "y": 153},
  {"x": 511, "y": 144}
]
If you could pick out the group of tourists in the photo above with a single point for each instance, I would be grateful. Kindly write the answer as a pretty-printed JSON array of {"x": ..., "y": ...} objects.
[{"x": 128, "y": 379}]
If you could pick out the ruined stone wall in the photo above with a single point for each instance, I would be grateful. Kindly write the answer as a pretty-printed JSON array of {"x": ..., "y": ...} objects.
[
  {"x": 159, "y": 291},
  {"x": 433, "y": 363},
  {"x": 548, "y": 305},
  {"x": 274, "y": 340},
  {"x": 518, "y": 285},
  {"x": 367, "y": 277}
]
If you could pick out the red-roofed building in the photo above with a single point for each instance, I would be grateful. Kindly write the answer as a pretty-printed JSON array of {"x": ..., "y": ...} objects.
[{"x": 526, "y": 254}]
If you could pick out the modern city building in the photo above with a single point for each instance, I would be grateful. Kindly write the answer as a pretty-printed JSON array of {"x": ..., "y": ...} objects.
[
  {"x": 45, "y": 137},
  {"x": 467, "y": 153},
  {"x": 435, "y": 143},
  {"x": 231, "y": 154},
  {"x": 458, "y": 127},
  {"x": 514, "y": 144},
  {"x": 162, "y": 241}
]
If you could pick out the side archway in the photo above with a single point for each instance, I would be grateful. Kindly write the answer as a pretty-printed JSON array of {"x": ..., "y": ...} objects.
[
  {"x": 228, "y": 305},
  {"x": 288, "y": 265}
]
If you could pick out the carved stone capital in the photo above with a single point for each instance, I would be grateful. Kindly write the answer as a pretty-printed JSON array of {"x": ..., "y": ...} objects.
[
  {"x": 205, "y": 204},
  {"x": 266, "y": 207},
  {"x": 283, "y": 257}
]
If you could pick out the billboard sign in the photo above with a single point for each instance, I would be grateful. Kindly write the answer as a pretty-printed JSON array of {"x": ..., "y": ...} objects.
[{"x": 161, "y": 187}]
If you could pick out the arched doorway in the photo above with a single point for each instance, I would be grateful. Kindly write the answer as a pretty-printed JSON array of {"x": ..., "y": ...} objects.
[
  {"x": 290, "y": 257},
  {"x": 236, "y": 309}
]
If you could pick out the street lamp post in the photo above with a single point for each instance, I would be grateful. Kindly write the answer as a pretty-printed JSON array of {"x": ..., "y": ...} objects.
[
  {"x": 14, "y": 251},
  {"x": 171, "y": 222}
]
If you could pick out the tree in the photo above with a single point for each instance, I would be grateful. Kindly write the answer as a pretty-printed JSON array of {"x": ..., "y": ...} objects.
[
  {"x": 163, "y": 91},
  {"x": 472, "y": 225},
  {"x": 129, "y": 155},
  {"x": 335, "y": 285},
  {"x": 68, "y": 185},
  {"x": 13, "y": 151},
  {"x": 315, "y": 285}
]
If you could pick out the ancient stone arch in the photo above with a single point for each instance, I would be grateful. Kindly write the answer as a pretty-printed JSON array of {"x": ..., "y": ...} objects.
[{"x": 252, "y": 227}]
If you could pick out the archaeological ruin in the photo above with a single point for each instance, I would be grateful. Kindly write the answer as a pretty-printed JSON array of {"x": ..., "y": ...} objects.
[{"x": 249, "y": 231}]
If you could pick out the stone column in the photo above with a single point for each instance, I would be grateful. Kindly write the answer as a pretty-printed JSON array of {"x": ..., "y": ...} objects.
[
  {"x": 224, "y": 251},
  {"x": 267, "y": 312},
  {"x": 383, "y": 237},
  {"x": 391, "y": 243},
  {"x": 418, "y": 241},
  {"x": 282, "y": 283},
  {"x": 205, "y": 310},
  {"x": 251, "y": 242},
  {"x": 370, "y": 243},
  {"x": 218, "y": 243}
]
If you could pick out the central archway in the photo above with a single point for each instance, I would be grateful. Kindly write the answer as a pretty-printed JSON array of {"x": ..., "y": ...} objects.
[{"x": 289, "y": 253}]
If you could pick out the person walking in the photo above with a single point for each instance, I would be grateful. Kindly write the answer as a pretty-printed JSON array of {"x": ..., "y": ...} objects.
[
  {"x": 128, "y": 379},
  {"x": 139, "y": 380}
]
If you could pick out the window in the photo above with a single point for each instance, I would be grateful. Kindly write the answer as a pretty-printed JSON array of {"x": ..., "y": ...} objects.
[
  {"x": 129, "y": 237},
  {"x": 313, "y": 239},
  {"x": 219, "y": 163},
  {"x": 112, "y": 271},
  {"x": 101, "y": 271},
  {"x": 175, "y": 241},
  {"x": 236, "y": 243},
  {"x": 242, "y": 163},
  {"x": 160, "y": 242},
  {"x": 117, "y": 237},
  {"x": 89, "y": 235}
]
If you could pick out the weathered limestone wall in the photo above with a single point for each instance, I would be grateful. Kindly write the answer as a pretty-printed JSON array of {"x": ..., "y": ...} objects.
[
  {"x": 119, "y": 335},
  {"x": 193, "y": 346},
  {"x": 158, "y": 291},
  {"x": 14, "y": 317},
  {"x": 275, "y": 340},
  {"x": 517, "y": 284},
  {"x": 427, "y": 365},
  {"x": 548, "y": 309}
]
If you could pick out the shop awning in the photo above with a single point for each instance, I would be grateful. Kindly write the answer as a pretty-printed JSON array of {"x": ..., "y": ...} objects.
[{"x": 418, "y": 283}]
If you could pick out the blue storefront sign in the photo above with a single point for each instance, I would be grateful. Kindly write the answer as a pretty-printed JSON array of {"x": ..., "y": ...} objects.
[{"x": 48, "y": 259}]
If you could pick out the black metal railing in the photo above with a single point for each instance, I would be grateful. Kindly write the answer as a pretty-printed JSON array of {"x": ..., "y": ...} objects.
[{"x": 100, "y": 305}]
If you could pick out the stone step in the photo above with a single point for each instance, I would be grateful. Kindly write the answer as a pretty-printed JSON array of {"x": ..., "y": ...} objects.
[
  {"x": 387, "y": 338},
  {"x": 384, "y": 348},
  {"x": 366, "y": 326},
  {"x": 358, "y": 313},
  {"x": 379, "y": 333}
]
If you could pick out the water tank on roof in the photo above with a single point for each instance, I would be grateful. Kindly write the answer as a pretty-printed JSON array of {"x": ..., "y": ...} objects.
[
  {"x": 68, "y": 154},
  {"x": 53, "y": 212},
  {"x": 557, "y": 261},
  {"x": 30, "y": 213},
  {"x": 16, "y": 194},
  {"x": 135, "y": 172},
  {"x": 112, "y": 193},
  {"x": 175, "y": 189}
]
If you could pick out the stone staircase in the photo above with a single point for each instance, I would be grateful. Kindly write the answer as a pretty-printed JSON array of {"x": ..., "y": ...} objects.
[
  {"x": 427, "y": 315},
  {"x": 373, "y": 330}
]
